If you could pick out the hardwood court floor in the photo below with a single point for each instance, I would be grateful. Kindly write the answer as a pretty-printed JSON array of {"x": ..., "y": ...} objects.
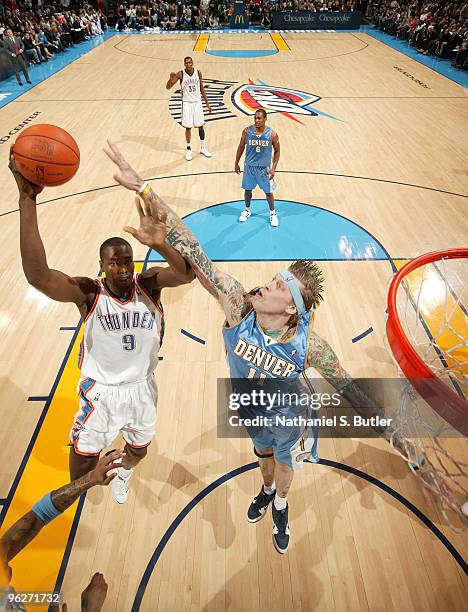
[{"x": 391, "y": 160}]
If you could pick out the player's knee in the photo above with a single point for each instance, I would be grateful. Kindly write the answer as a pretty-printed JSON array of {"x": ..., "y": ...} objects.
[
  {"x": 136, "y": 452},
  {"x": 80, "y": 464},
  {"x": 263, "y": 454}
]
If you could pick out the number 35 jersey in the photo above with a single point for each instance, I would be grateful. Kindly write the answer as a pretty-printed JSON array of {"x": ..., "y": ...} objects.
[{"x": 121, "y": 339}]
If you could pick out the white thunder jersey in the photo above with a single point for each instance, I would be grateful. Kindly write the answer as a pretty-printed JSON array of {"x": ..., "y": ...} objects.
[
  {"x": 121, "y": 340},
  {"x": 190, "y": 86}
]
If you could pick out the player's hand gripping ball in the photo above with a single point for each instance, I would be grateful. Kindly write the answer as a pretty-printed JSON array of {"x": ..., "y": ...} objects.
[{"x": 46, "y": 155}]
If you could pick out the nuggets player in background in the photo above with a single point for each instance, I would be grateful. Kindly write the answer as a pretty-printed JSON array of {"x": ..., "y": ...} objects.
[
  {"x": 123, "y": 331},
  {"x": 259, "y": 142},
  {"x": 267, "y": 334},
  {"x": 191, "y": 85}
]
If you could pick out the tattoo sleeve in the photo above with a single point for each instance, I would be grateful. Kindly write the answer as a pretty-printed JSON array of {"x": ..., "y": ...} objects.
[
  {"x": 64, "y": 497},
  {"x": 323, "y": 358},
  {"x": 28, "y": 526},
  {"x": 20, "y": 534},
  {"x": 222, "y": 286}
]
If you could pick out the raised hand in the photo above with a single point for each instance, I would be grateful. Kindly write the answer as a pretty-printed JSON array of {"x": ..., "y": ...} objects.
[
  {"x": 25, "y": 188},
  {"x": 100, "y": 474},
  {"x": 152, "y": 231},
  {"x": 92, "y": 598},
  {"x": 126, "y": 175}
]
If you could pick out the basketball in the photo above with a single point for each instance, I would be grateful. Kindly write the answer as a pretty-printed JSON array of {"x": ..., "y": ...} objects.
[{"x": 46, "y": 155}]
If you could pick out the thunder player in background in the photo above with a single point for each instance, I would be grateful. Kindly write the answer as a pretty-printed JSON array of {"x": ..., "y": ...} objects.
[
  {"x": 266, "y": 333},
  {"x": 123, "y": 330},
  {"x": 192, "y": 89},
  {"x": 258, "y": 142}
]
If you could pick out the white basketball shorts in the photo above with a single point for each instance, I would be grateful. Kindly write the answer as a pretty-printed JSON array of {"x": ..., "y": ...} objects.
[
  {"x": 192, "y": 114},
  {"x": 106, "y": 410}
]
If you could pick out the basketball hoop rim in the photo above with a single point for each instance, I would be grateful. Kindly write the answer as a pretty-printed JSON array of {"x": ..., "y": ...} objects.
[{"x": 412, "y": 366}]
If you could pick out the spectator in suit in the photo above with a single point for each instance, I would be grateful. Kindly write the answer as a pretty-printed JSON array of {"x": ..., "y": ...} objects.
[{"x": 15, "y": 47}]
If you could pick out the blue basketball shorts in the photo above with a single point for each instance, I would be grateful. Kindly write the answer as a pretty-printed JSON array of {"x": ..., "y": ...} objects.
[
  {"x": 291, "y": 444},
  {"x": 256, "y": 175}
]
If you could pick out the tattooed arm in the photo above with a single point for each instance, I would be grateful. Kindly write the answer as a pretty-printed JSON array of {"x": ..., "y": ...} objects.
[
  {"x": 323, "y": 358},
  {"x": 28, "y": 526},
  {"x": 226, "y": 289}
]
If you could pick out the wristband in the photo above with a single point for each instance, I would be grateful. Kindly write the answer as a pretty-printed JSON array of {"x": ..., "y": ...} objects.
[
  {"x": 144, "y": 190},
  {"x": 45, "y": 509}
]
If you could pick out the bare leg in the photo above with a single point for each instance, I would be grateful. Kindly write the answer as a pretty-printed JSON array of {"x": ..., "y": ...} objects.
[
  {"x": 188, "y": 135},
  {"x": 247, "y": 197},
  {"x": 271, "y": 200},
  {"x": 80, "y": 464},
  {"x": 133, "y": 456},
  {"x": 267, "y": 467},
  {"x": 283, "y": 478}
]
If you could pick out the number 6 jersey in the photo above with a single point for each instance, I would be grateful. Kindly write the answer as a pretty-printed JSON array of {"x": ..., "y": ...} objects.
[{"x": 121, "y": 339}]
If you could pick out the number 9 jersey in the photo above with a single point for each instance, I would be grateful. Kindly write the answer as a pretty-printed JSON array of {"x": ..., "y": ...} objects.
[{"x": 121, "y": 340}]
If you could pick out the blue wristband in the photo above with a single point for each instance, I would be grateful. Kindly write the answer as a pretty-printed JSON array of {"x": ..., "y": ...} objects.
[
  {"x": 293, "y": 286},
  {"x": 45, "y": 509}
]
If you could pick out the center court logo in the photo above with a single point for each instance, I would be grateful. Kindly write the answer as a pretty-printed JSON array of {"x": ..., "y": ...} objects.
[{"x": 251, "y": 96}]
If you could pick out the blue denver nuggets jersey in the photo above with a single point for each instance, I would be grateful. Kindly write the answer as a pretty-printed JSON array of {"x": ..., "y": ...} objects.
[
  {"x": 253, "y": 354},
  {"x": 258, "y": 149}
]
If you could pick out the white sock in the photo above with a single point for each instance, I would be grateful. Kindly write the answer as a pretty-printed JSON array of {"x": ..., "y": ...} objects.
[
  {"x": 269, "y": 490},
  {"x": 280, "y": 502},
  {"x": 124, "y": 472},
  {"x": 202, "y": 144}
]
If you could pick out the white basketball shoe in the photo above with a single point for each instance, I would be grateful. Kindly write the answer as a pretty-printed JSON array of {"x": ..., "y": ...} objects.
[{"x": 120, "y": 485}]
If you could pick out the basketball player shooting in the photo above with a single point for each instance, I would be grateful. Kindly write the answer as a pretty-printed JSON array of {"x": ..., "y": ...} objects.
[
  {"x": 274, "y": 321},
  {"x": 123, "y": 331},
  {"x": 191, "y": 85}
]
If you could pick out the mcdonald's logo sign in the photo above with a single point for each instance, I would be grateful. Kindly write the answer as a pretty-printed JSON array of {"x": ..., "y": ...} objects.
[{"x": 239, "y": 19}]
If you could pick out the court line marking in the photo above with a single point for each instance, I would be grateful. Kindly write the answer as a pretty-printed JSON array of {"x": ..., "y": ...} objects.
[
  {"x": 322, "y": 98},
  {"x": 202, "y": 42},
  {"x": 38, "y": 398},
  {"x": 305, "y": 172},
  {"x": 35, "y": 434},
  {"x": 250, "y": 466},
  {"x": 68, "y": 547},
  {"x": 279, "y": 41},
  {"x": 192, "y": 337},
  {"x": 310, "y": 59},
  {"x": 362, "y": 335}
]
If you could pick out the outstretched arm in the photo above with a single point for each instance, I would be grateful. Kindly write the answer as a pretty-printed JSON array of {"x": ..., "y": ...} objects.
[
  {"x": 323, "y": 358},
  {"x": 28, "y": 526},
  {"x": 55, "y": 284},
  {"x": 226, "y": 289}
]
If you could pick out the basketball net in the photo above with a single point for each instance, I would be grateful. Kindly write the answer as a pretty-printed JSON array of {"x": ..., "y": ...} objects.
[{"x": 427, "y": 331}]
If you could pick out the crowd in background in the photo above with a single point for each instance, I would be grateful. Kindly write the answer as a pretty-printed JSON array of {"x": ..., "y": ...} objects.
[
  {"x": 48, "y": 27},
  {"x": 201, "y": 14},
  {"x": 437, "y": 28},
  {"x": 45, "y": 28}
]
